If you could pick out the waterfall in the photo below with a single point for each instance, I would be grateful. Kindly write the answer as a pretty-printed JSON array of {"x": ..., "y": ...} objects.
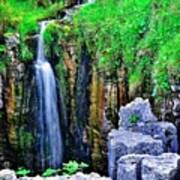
[
  {"x": 91, "y": 1},
  {"x": 87, "y": 2},
  {"x": 49, "y": 140}
]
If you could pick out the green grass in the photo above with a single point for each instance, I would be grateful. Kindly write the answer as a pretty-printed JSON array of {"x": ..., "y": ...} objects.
[
  {"x": 142, "y": 34},
  {"x": 23, "y": 17}
]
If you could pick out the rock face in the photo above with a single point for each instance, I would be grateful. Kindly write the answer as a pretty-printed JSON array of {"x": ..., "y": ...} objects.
[
  {"x": 139, "y": 133},
  {"x": 129, "y": 167},
  {"x": 147, "y": 167},
  {"x": 136, "y": 113},
  {"x": 170, "y": 108},
  {"x": 159, "y": 167},
  {"x": 20, "y": 111},
  {"x": 164, "y": 131},
  {"x": 138, "y": 117},
  {"x": 92, "y": 100},
  {"x": 122, "y": 142}
]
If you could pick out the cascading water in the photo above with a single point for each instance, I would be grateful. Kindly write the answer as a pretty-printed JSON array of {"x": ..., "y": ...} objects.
[{"x": 49, "y": 140}]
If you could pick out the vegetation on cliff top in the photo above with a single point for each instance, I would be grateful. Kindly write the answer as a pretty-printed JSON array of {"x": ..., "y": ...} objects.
[
  {"x": 142, "y": 34},
  {"x": 23, "y": 17}
]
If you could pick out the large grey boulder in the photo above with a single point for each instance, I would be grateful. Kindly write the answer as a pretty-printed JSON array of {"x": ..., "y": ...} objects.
[
  {"x": 159, "y": 167},
  {"x": 122, "y": 142},
  {"x": 165, "y": 131},
  {"x": 138, "y": 117},
  {"x": 129, "y": 167},
  {"x": 148, "y": 167},
  {"x": 7, "y": 174},
  {"x": 136, "y": 113}
]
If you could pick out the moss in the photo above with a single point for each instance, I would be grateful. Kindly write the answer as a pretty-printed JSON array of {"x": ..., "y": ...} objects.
[
  {"x": 23, "y": 17},
  {"x": 52, "y": 36},
  {"x": 3, "y": 58},
  {"x": 135, "y": 33}
]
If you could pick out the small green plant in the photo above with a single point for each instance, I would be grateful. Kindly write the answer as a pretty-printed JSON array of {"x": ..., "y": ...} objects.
[
  {"x": 2, "y": 48},
  {"x": 23, "y": 172},
  {"x": 73, "y": 166},
  {"x": 68, "y": 169},
  {"x": 50, "y": 172},
  {"x": 133, "y": 119}
]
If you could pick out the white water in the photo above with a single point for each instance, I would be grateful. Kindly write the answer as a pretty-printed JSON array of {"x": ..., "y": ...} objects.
[
  {"x": 49, "y": 134},
  {"x": 91, "y": 1},
  {"x": 88, "y": 1}
]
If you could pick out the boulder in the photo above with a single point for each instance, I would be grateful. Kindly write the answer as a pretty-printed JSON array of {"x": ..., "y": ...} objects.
[
  {"x": 136, "y": 113},
  {"x": 147, "y": 167},
  {"x": 159, "y": 167},
  {"x": 138, "y": 117},
  {"x": 7, "y": 174},
  {"x": 129, "y": 167},
  {"x": 122, "y": 142},
  {"x": 165, "y": 131}
]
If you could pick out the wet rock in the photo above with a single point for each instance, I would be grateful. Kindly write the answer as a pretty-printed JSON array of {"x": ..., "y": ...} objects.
[
  {"x": 136, "y": 113},
  {"x": 165, "y": 131},
  {"x": 129, "y": 167},
  {"x": 159, "y": 167},
  {"x": 12, "y": 43},
  {"x": 1, "y": 92},
  {"x": 175, "y": 174},
  {"x": 7, "y": 174},
  {"x": 12, "y": 40},
  {"x": 148, "y": 167},
  {"x": 175, "y": 88},
  {"x": 138, "y": 117},
  {"x": 20, "y": 111},
  {"x": 122, "y": 142},
  {"x": 176, "y": 107}
]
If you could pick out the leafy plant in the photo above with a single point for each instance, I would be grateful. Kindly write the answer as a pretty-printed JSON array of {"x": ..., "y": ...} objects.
[
  {"x": 22, "y": 172},
  {"x": 50, "y": 172},
  {"x": 2, "y": 48},
  {"x": 68, "y": 169},
  {"x": 73, "y": 166},
  {"x": 133, "y": 119}
]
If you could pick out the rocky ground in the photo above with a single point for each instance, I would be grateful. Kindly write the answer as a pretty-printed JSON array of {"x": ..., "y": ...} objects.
[{"x": 8, "y": 174}]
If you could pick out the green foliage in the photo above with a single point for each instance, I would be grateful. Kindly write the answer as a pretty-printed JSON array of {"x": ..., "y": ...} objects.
[
  {"x": 50, "y": 172},
  {"x": 26, "y": 54},
  {"x": 22, "y": 172},
  {"x": 68, "y": 169},
  {"x": 23, "y": 16},
  {"x": 55, "y": 35},
  {"x": 138, "y": 33},
  {"x": 2, "y": 48},
  {"x": 25, "y": 138},
  {"x": 73, "y": 166},
  {"x": 52, "y": 35},
  {"x": 3, "y": 58},
  {"x": 133, "y": 118}
]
